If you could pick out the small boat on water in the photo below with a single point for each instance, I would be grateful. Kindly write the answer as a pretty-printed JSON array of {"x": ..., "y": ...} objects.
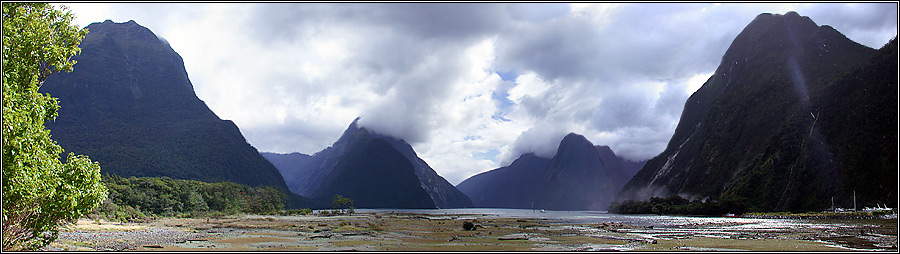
[
  {"x": 542, "y": 210},
  {"x": 730, "y": 215}
]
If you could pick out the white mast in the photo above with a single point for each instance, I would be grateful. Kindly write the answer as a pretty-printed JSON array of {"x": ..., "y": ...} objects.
[{"x": 854, "y": 201}]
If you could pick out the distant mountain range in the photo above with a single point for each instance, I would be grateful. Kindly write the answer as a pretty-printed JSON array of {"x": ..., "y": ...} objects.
[
  {"x": 580, "y": 176},
  {"x": 374, "y": 170},
  {"x": 794, "y": 115},
  {"x": 129, "y": 105},
  {"x": 294, "y": 167}
]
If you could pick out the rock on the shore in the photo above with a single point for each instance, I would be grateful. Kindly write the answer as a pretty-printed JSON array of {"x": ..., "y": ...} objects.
[{"x": 514, "y": 237}]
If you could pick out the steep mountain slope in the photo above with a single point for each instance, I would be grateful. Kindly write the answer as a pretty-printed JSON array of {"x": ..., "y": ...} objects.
[
  {"x": 623, "y": 169},
  {"x": 375, "y": 175},
  {"x": 513, "y": 186},
  {"x": 749, "y": 132},
  {"x": 130, "y": 106},
  {"x": 580, "y": 176},
  {"x": 444, "y": 194},
  {"x": 858, "y": 118},
  {"x": 326, "y": 162},
  {"x": 294, "y": 167}
]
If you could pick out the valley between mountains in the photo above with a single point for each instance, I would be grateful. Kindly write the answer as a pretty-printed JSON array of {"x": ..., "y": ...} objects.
[
  {"x": 797, "y": 119},
  {"x": 795, "y": 115}
]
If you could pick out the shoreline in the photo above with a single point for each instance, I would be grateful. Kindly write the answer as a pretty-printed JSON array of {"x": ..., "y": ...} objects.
[
  {"x": 432, "y": 232},
  {"x": 822, "y": 216}
]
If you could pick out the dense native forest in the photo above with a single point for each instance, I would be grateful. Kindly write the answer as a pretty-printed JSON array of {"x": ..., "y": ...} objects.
[
  {"x": 139, "y": 198},
  {"x": 678, "y": 205}
]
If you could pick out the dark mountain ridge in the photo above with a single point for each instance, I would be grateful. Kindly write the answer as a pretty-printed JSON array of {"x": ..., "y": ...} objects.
[
  {"x": 130, "y": 106},
  {"x": 858, "y": 118},
  {"x": 511, "y": 186},
  {"x": 294, "y": 168},
  {"x": 319, "y": 176},
  {"x": 580, "y": 176},
  {"x": 375, "y": 175},
  {"x": 749, "y": 133}
]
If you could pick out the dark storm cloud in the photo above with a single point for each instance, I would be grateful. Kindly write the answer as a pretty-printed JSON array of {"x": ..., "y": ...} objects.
[
  {"x": 408, "y": 53},
  {"x": 445, "y": 21},
  {"x": 648, "y": 41},
  {"x": 606, "y": 65},
  {"x": 454, "y": 21},
  {"x": 866, "y": 23},
  {"x": 619, "y": 55}
]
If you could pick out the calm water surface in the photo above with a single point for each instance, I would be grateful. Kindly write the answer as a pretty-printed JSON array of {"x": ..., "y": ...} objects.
[
  {"x": 587, "y": 216},
  {"x": 645, "y": 220},
  {"x": 839, "y": 233}
]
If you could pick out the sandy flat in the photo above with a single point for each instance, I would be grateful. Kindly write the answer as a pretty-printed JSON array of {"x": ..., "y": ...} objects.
[{"x": 416, "y": 232}]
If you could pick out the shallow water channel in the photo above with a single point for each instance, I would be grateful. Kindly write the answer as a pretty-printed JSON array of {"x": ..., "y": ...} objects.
[
  {"x": 494, "y": 229},
  {"x": 851, "y": 234}
]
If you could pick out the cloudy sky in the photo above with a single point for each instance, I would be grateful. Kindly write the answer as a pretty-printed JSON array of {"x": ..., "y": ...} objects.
[{"x": 470, "y": 86}]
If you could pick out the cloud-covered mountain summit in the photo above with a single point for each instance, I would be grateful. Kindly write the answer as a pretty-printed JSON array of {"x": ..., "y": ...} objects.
[
  {"x": 377, "y": 171},
  {"x": 765, "y": 129},
  {"x": 580, "y": 176}
]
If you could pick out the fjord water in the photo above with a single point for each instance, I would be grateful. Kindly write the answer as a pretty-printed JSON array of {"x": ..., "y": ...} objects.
[
  {"x": 642, "y": 220},
  {"x": 834, "y": 232}
]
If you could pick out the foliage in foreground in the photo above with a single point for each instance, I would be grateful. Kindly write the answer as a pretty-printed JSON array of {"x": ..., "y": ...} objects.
[
  {"x": 140, "y": 198},
  {"x": 677, "y": 205},
  {"x": 40, "y": 192}
]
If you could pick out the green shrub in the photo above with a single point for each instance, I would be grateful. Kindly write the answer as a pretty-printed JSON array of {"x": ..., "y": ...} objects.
[{"x": 305, "y": 211}]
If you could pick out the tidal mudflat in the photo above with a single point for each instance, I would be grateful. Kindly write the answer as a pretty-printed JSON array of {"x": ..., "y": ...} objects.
[{"x": 393, "y": 231}]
